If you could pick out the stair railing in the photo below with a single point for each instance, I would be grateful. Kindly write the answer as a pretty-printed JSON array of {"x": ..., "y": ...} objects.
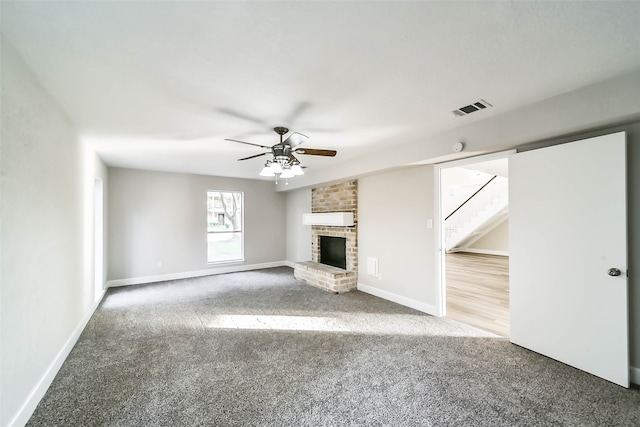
[
  {"x": 471, "y": 197},
  {"x": 470, "y": 208}
]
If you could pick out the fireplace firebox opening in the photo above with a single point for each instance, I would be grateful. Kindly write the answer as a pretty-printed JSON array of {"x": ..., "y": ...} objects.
[{"x": 333, "y": 251}]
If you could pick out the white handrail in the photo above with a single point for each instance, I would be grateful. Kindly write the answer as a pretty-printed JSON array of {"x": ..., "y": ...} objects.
[{"x": 496, "y": 190}]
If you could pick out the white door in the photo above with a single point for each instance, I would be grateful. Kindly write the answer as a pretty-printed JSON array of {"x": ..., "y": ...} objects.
[{"x": 567, "y": 228}]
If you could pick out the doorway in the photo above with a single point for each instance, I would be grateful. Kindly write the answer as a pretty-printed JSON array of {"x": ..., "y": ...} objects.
[{"x": 472, "y": 212}]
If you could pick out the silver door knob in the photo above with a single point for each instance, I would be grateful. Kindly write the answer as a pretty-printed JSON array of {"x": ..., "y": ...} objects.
[{"x": 614, "y": 272}]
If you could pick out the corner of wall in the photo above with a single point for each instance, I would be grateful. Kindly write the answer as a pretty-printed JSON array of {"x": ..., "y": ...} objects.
[{"x": 635, "y": 375}]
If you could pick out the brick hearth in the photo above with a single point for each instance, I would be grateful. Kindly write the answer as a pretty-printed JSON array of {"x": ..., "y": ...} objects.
[{"x": 325, "y": 277}]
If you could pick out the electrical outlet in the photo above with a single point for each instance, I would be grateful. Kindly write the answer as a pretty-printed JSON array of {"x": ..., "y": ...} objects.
[{"x": 159, "y": 264}]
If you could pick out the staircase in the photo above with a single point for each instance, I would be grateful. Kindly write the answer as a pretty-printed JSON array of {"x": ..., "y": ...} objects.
[{"x": 482, "y": 212}]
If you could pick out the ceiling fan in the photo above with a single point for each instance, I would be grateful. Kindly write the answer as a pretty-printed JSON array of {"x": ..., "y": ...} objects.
[{"x": 284, "y": 163}]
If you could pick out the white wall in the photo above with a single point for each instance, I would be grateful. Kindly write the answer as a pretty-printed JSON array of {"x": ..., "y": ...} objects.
[
  {"x": 47, "y": 291},
  {"x": 298, "y": 235},
  {"x": 393, "y": 209},
  {"x": 495, "y": 241},
  {"x": 161, "y": 216}
]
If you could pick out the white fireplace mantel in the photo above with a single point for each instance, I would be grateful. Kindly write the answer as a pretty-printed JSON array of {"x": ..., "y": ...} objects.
[{"x": 334, "y": 219}]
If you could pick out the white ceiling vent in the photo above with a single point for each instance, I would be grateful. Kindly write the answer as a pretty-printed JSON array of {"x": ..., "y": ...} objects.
[{"x": 468, "y": 109}]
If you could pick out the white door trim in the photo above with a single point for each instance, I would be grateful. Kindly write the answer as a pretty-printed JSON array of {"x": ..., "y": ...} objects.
[{"x": 440, "y": 279}]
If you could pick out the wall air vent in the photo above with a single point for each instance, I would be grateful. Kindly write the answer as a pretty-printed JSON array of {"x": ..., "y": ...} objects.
[{"x": 468, "y": 109}]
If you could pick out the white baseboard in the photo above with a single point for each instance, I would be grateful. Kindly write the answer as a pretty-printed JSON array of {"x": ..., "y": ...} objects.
[
  {"x": 399, "y": 299},
  {"x": 634, "y": 375},
  {"x": 290, "y": 264},
  {"x": 484, "y": 251},
  {"x": 189, "y": 274},
  {"x": 32, "y": 400}
]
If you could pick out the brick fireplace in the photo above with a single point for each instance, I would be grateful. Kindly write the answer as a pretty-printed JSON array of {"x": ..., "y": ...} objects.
[{"x": 342, "y": 197}]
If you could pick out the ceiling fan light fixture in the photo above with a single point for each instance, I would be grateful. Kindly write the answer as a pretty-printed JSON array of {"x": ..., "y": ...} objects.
[
  {"x": 297, "y": 170},
  {"x": 266, "y": 170},
  {"x": 287, "y": 173},
  {"x": 276, "y": 167}
]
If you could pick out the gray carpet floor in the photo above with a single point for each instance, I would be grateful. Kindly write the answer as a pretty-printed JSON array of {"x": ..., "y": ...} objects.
[{"x": 262, "y": 349}]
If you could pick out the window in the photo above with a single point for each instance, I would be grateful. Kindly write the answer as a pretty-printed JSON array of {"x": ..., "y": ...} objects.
[{"x": 225, "y": 242}]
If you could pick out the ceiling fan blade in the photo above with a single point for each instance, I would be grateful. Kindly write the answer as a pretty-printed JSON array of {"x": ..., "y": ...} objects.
[
  {"x": 293, "y": 159},
  {"x": 240, "y": 115},
  {"x": 248, "y": 143},
  {"x": 316, "y": 152},
  {"x": 297, "y": 112},
  {"x": 251, "y": 157},
  {"x": 295, "y": 139},
  {"x": 322, "y": 130}
]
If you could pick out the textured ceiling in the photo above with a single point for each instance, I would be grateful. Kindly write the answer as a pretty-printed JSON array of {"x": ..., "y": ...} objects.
[{"x": 159, "y": 85}]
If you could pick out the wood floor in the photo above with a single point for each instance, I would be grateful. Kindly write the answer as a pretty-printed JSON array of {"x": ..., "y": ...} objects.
[{"x": 478, "y": 290}]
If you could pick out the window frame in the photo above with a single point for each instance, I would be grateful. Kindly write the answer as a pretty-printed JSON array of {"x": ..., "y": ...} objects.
[{"x": 241, "y": 231}]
